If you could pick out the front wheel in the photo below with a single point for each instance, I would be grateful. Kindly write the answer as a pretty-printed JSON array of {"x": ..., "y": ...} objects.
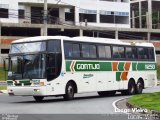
[
  {"x": 38, "y": 98},
  {"x": 69, "y": 95}
]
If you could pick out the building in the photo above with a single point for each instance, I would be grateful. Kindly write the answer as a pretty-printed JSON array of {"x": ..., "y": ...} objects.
[
  {"x": 24, "y": 18},
  {"x": 135, "y": 20}
]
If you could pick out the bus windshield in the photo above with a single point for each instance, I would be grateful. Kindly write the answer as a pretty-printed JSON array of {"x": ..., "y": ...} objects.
[
  {"x": 28, "y": 47},
  {"x": 27, "y": 66}
]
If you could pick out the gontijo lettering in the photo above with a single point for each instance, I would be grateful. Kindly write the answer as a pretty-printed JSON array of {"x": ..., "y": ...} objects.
[{"x": 88, "y": 66}]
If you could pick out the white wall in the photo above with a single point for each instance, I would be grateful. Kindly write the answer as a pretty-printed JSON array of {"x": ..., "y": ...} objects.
[{"x": 13, "y": 13}]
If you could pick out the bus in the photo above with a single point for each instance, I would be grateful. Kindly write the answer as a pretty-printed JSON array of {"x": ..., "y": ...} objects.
[{"x": 45, "y": 66}]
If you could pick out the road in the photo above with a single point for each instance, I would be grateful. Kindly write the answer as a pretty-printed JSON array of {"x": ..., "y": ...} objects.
[{"x": 88, "y": 103}]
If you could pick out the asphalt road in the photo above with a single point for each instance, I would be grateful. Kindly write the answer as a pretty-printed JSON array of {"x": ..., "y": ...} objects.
[{"x": 88, "y": 103}]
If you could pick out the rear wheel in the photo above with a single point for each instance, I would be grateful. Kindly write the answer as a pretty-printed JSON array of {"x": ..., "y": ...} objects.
[
  {"x": 139, "y": 87},
  {"x": 38, "y": 98},
  {"x": 131, "y": 88},
  {"x": 70, "y": 90}
]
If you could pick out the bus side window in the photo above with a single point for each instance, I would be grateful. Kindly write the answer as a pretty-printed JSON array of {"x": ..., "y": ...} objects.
[
  {"x": 131, "y": 53},
  {"x": 142, "y": 53},
  {"x": 89, "y": 51},
  {"x": 151, "y": 54},
  {"x": 118, "y": 52},
  {"x": 72, "y": 50}
]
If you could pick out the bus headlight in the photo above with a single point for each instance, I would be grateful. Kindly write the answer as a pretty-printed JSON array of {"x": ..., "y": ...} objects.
[{"x": 41, "y": 84}]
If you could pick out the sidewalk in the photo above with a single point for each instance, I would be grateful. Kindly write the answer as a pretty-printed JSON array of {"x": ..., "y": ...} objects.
[
  {"x": 4, "y": 91},
  {"x": 3, "y": 83}
]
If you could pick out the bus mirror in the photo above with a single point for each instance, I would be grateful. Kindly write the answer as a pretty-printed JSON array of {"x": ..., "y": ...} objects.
[{"x": 5, "y": 64}]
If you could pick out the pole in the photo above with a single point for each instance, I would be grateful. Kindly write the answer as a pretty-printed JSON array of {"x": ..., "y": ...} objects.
[
  {"x": 45, "y": 18},
  {"x": 0, "y": 32},
  {"x": 140, "y": 14}
]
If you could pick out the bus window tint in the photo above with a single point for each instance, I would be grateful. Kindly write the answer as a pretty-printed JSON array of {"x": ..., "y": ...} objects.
[
  {"x": 101, "y": 51},
  {"x": 104, "y": 51},
  {"x": 92, "y": 51},
  {"x": 88, "y": 51},
  {"x": 68, "y": 50},
  {"x": 71, "y": 50},
  {"x": 118, "y": 52},
  {"x": 142, "y": 53},
  {"x": 54, "y": 46},
  {"x": 131, "y": 53},
  {"x": 108, "y": 51},
  {"x": 76, "y": 50},
  {"x": 151, "y": 53}
]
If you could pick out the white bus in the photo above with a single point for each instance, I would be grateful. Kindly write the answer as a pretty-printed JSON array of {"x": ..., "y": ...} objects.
[{"x": 62, "y": 66}]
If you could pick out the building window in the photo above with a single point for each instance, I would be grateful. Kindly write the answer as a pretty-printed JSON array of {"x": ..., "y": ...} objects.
[
  {"x": 106, "y": 16},
  {"x": 21, "y": 14},
  {"x": 69, "y": 14},
  {"x": 3, "y": 13},
  {"x": 89, "y": 15},
  {"x": 122, "y": 17},
  {"x": 114, "y": 17},
  {"x": 4, "y": 51}
]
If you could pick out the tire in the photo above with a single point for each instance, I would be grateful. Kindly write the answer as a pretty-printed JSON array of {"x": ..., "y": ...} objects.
[
  {"x": 106, "y": 93},
  {"x": 131, "y": 88},
  {"x": 69, "y": 92},
  {"x": 38, "y": 98},
  {"x": 139, "y": 87}
]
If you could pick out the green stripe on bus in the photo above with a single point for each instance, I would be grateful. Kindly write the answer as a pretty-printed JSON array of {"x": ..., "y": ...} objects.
[
  {"x": 78, "y": 66},
  {"x": 143, "y": 66},
  {"x": 88, "y": 66},
  {"x": 121, "y": 66},
  {"x": 118, "y": 76}
]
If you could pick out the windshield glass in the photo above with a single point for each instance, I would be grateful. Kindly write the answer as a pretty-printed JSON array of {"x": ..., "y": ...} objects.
[
  {"x": 27, "y": 67},
  {"x": 28, "y": 47}
]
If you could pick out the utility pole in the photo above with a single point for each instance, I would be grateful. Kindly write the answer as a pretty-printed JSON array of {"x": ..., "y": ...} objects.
[
  {"x": 0, "y": 31},
  {"x": 45, "y": 18}
]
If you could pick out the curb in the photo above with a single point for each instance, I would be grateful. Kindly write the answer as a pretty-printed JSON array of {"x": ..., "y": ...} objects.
[
  {"x": 4, "y": 91},
  {"x": 153, "y": 112}
]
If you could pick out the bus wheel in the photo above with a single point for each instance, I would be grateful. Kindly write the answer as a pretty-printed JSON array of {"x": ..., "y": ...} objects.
[
  {"x": 69, "y": 95},
  {"x": 139, "y": 87},
  {"x": 38, "y": 98},
  {"x": 131, "y": 87}
]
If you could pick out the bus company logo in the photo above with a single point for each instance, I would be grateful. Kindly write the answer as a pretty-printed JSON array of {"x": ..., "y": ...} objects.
[
  {"x": 150, "y": 66},
  {"x": 79, "y": 66}
]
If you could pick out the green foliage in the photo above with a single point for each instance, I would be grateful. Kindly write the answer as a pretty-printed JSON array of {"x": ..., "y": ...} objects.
[
  {"x": 3, "y": 87},
  {"x": 2, "y": 74},
  {"x": 150, "y": 101},
  {"x": 158, "y": 72}
]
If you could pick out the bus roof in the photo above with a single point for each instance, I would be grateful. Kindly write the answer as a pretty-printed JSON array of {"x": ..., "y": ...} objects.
[{"x": 83, "y": 39}]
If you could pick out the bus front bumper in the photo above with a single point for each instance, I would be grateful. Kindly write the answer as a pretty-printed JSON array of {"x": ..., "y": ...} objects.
[{"x": 27, "y": 90}]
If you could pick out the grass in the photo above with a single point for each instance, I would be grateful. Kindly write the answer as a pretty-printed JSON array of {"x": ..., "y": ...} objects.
[
  {"x": 158, "y": 72},
  {"x": 150, "y": 101},
  {"x": 2, "y": 74},
  {"x": 3, "y": 87}
]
